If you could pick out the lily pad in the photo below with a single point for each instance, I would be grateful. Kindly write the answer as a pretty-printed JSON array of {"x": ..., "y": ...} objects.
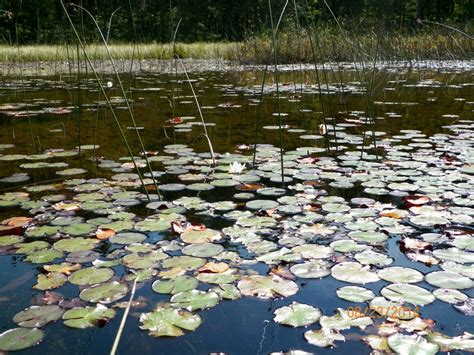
[
  {"x": 411, "y": 344},
  {"x": 38, "y": 316},
  {"x": 204, "y": 236},
  {"x": 203, "y": 250},
  {"x": 402, "y": 293},
  {"x": 297, "y": 315},
  {"x": 87, "y": 317},
  {"x": 267, "y": 286},
  {"x": 128, "y": 238},
  {"x": 20, "y": 338},
  {"x": 342, "y": 320},
  {"x": 184, "y": 262},
  {"x": 50, "y": 281},
  {"x": 323, "y": 338},
  {"x": 91, "y": 276},
  {"x": 400, "y": 274},
  {"x": 75, "y": 244},
  {"x": 164, "y": 321},
  {"x": 105, "y": 293},
  {"x": 314, "y": 269},
  {"x": 354, "y": 273},
  {"x": 450, "y": 295},
  {"x": 194, "y": 299},
  {"x": 355, "y": 294},
  {"x": 447, "y": 279},
  {"x": 44, "y": 256},
  {"x": 176, "y": 285}
]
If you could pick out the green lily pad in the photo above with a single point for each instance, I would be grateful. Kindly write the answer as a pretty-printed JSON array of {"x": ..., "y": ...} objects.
[
  {"x": 323, "y": 338},
  {"x": 20, "y": 338},
  {"x": 400, "y": 274},
  {"x": 79, "y": 229},
  {"x": 8, "y": 240},
  {"x": 30, "y": 248},
  {"x": 105, "y": 293},
  {"x": 314, "y": 269},
  {"x": 354, "y": 273},
  {"x": 176, "y": 285},
  {"x": 450, "y": 295},
  {"x": 44, "y": 256},
  {"x": 204, "y": 250},
  {"x": 38, "y": 316},
  {"x": 227, "y": 291},
  {"x": 402, "y": 293},
  {"x": 42, "y": 231},
  {"x": 463, "y": 342},
  {"x": 342, "y": 320},
  {"x": 297, "y": 315},
  {"x": 75, "y": 244},
  {"x": 411, "y": 344},
  {"x": 368, "y": 237},
  {"x": 347, "y": 246},
  {"x": 226, "y": 277},
  {"x": 267, "y": 286},
  {"x": 387, "y": 309},
  {"x": 72, "y": 171},
  {"x": 370, "y": 257},
  {"x": 263, "y": 222},
  {"x": 185, "y": 262},
  {"x": 454, "y": 254},
  {"x": 198, "y": 237},
  {"x": 128, "y": 238},
  {"x": 428, "y": 220},
  {"x": 91, "y": 276},
  {"x": 87, "y": 317},
  {"x": 147, "y": 261},
  {"x": 355, "y": 294},
  {"x": 313, "y": 251},
  {"x": 261, "y": 205},
  {"x": 50, "y": 281},
  {"x": 447, "y": 279},
  {"x": 169, "y": 322},
  {"x": 194, "y": 299}
]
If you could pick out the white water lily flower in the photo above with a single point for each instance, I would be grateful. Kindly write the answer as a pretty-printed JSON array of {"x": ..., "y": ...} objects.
[{"x": 236, "y": 168}]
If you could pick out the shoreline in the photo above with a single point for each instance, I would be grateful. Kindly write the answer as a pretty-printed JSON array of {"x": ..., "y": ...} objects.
[{"x": 167, "y": 66}]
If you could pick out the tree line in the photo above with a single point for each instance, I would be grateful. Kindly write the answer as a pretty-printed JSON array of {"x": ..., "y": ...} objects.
[{"x": 44, "y": 21}]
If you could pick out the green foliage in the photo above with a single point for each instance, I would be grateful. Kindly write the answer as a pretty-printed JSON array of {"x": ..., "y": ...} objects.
[{"x": 43, "y": 21}]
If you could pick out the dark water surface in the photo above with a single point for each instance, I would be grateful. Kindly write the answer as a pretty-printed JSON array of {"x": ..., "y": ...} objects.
[{"x": 425, "y": 101}]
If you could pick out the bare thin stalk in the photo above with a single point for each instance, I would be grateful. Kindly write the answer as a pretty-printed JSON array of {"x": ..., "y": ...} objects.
[
  {"x": 262, "y": 88},
  {"x": 109, "y": 104},
  {"x": 109, "y": 26},
  {"x": 124, "y": 319},
  {"x": 211, "y": 150},
  {"x": 127, "y": 102},
  {"x": 275, "y": 62}
]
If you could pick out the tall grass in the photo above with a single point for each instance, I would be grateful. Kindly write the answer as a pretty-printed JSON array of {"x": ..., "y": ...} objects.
[
  {"x": 109, "y": 104},
  {"x": 199, "y": 50},
  {"x": 294, "y": 47}
]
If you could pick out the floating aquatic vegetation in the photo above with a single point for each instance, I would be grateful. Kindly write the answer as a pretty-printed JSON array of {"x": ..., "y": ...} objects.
[{"x": 349, "y": 216}]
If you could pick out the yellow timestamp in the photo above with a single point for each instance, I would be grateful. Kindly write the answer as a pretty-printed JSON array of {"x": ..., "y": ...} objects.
[{"x": 400, "y": 312}]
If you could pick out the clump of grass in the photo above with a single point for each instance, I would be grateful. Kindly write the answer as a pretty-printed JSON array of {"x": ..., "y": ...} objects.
[
  {"x": 295, "y": 46},
  {"x": 199, "y": 50}
]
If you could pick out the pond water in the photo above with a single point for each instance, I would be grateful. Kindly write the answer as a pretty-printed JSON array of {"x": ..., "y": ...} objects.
[{"x": 375, "y": 216}]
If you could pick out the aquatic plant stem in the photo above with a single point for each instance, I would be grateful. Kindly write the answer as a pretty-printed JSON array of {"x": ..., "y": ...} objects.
[
  {"x": 262, "y": 89},
  {"x": 211, "y": 149},
  {"x": 109, "y": 104},
  {"x": 124, "y": 318},
  {"x": 275, "y": 63},
  {"x": 127, "y": 102}
]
